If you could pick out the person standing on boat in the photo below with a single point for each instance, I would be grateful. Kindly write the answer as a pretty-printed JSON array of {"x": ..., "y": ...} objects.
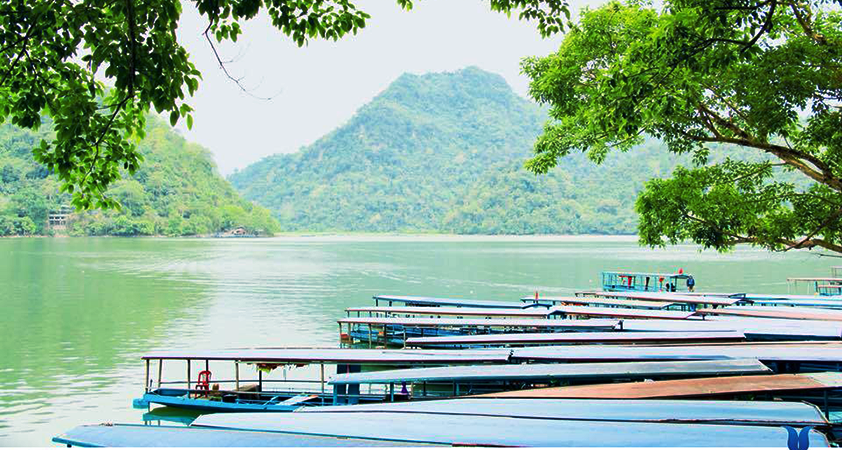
[{"x": 691, "y": 284}]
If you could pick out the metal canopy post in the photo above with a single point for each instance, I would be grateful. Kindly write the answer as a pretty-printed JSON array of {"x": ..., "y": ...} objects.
[
  {"x": 147, "y": 381},
  {"x": 188, "y": 376},
  {"x": 160, "y": 371},
  {"x": 237, "y": 375},
  {"x": 322, "y": 378}
]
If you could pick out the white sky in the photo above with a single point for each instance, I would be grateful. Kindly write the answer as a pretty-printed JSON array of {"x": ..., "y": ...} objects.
[{"x": 318, "y": 87}]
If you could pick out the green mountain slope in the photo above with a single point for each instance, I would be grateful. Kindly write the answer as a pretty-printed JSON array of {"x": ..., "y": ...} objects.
[
  {"x": 402, "y": 161},
  {"x": 177, "y": 191},
  {"x": 444, "y": 153}
]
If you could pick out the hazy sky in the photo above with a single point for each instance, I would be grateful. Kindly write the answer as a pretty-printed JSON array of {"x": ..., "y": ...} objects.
[{"x": 316, "y": 88}]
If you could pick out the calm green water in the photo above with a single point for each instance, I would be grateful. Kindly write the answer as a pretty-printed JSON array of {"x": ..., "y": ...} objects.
[{"x": 77, "y": 313}]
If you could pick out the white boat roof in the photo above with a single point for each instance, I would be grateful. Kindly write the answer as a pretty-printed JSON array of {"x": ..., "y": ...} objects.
[
  {"x": 575, "y": 338},
  {"x": 604, "y": 324},
  {"x": 451, "y": 311},
  {"x": 515, "y": 372},
  {"x": 338, "y": 355}
]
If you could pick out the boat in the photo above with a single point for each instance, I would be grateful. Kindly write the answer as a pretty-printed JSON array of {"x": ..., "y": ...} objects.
[
  {"x": 690, "y": 301},
  {"x": 823, "y": 389},
  {"x": 396, "y": 330},
  {"x": 647, "y": 281},
  {"x": 830, "y": 285},
  {"x": 411, "y": 300},
  {"x": 424, "y": 383},
  {"x": 447, "y": 311},
  {"x": 776, "y": 312},
  {"x": 134, "y": 435},
  {"x": 786, "y": 357},
  {"x": 526, "y": 424},
  {"x": 602, "y": 302},
  {"x": 209, "y": 393},
  {"x": 575, "y": 338}
]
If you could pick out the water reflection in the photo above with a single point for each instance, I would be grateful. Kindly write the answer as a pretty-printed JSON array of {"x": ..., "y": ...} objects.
[{"x": 78, "y": 313}]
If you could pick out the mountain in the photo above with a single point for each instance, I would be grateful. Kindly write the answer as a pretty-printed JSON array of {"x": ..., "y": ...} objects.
[
  {"x": 177, "y": 191},
  {"x": 444, "y": 153}
]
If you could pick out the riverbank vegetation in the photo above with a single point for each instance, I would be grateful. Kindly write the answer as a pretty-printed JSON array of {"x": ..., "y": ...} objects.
[{"x": 177, "y": 192}]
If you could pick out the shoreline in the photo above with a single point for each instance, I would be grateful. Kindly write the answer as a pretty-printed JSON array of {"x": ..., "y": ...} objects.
[{"x": 374, "y": 236}]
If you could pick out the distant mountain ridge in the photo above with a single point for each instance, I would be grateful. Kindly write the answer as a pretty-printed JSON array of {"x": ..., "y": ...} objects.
[{"x": 444, "y": 152}]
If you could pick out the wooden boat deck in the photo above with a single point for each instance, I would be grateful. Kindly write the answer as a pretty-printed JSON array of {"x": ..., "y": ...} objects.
[{"x": 687, "y": 388}]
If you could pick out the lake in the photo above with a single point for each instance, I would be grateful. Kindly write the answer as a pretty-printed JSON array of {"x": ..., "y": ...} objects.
[{"x": 77, "y": 313}]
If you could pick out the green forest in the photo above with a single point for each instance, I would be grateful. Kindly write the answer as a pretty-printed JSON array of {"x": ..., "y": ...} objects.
[
  {"x": 444, "y": 153},
  {"x": 176, "y": 192}
]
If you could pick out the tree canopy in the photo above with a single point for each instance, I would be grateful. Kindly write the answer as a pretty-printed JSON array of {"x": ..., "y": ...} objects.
[
  {"x": 752, "y": 74},
  {"x": 176, "y": 192},
  {"x": 97, "y": 67}
]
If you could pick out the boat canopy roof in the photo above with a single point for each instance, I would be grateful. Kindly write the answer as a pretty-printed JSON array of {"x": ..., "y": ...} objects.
[
  {"x": 814, "y": 279},
  {"x": 340, "y": 355},
  {"x": 647, "y": 274},
  {"x": 640, "y": 304},
  {"x": 513, "y": 372},
  {"x": 671, "y": 297},
  {"x": 776, "y": 312},
  {"x": 451, "y": 311},
  {"x": 752, "y": 327},
  {"x": 460, "y": 302},
  {"x": 135, "y": 435},
  {"x": 574, "y": 337},
  {"x": 625, "y": 313},
  {"x": 482, "y": 430},
  {"x": 683, "y": 388},
  {"x": 603, "y": 324},
  {"x": 813, "y": 302},
  {"x": 767, "y": 353},
  {"x": 675, "y": 411}
]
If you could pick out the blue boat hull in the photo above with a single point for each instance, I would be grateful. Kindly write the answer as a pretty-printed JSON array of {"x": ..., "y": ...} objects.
[{"x": 266, "y": 402}]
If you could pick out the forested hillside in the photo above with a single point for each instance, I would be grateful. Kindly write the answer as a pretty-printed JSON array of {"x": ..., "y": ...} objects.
[
  {"x": 177, "y": 191},
  {"x": 444, "y": 153}
]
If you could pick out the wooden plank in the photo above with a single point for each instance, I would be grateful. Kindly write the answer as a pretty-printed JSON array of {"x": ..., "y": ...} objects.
[{"x": 686, "y": 388}]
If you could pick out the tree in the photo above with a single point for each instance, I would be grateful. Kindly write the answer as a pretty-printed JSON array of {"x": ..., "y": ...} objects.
[
  {"x": 53, "y": 51},
  {"x": 753, "y": 85}
]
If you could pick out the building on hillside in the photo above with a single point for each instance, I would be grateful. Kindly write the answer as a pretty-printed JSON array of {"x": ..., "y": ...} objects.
[{"x": 57, "y": 220}]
